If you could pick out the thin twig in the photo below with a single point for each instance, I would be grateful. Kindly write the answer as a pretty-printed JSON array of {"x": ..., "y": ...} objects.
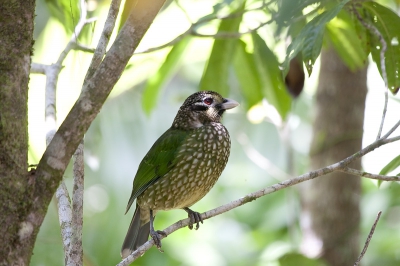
[
  {"x": 184, "y": 11},
  {"x": 376, "y": 32},
  {"x": 104, "y": 38},
  {"x": 83, "y": 48},
  {"x": 191, "y": 31},
  {"x": 368, "y": 239},
  {"x": 230, "y": 35},
  {"x": 261, "y": 161},
  {"x": 356, "y": 172},
  {"x": 74, "y": 38},
  {"x": 37, "y": 68},
  {"x": 391, "y": 130},
  {"x": 339, "y": 166}
]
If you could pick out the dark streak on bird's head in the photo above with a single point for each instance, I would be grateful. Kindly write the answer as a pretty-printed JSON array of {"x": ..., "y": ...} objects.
[{"x": 201, "y": 108}]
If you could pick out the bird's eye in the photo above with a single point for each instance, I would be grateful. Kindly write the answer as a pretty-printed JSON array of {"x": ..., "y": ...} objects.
[{"x": 208, "y": 101}]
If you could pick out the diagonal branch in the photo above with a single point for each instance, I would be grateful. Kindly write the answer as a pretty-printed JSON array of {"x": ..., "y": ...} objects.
[
  {"x": 95, "y": 91},
  {"x": 371, "y": 233},
  {"x": 104, "y": 38},
  {"x": 339, "y": 166}
]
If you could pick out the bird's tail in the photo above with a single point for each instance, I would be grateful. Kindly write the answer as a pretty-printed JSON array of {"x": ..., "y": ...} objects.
[{"x": 137, "y": 235}]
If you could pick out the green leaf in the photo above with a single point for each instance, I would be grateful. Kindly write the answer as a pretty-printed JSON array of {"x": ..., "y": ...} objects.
[
  {"x": 273, "y": 86},
  {"x": 65, "y": 11},
  {"x": 155, "y": 82},
  {"x": 309, "y": 40},
  {"x": 349, "y": 39},
  {"x": 295, "y": 259},
  {"x": 289, "y": 11},
  {"x": 387, "y": 22},
  {"x": 391, "y": 166},
  {"x": 215, "y": 75},
  {"x": 247, "y": 75}
]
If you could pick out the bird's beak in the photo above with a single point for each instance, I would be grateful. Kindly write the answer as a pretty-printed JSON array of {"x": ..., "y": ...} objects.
[{"x": 229, "y": 104}]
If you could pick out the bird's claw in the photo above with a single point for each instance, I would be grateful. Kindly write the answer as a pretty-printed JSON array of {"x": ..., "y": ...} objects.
[
  {"x": 156, "y": 236},
  {"x": 195, "y": 218}
]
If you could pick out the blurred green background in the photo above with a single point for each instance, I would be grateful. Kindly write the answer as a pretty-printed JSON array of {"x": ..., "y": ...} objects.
[{"x": 263, "y": 232}]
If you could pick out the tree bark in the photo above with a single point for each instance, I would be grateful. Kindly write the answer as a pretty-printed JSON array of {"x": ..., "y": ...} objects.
[
  {"x": 332, "y": 203},
  {"x": 16, "y": 39}
]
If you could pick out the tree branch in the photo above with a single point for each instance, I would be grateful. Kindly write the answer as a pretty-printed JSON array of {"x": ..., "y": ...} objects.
[
  {"x": 339, "y": 166},
  {"x": 64, "y": 216},
  {"x": 191, "y": 31},
  {"x": 95, "y": 91},
  {"x": 104, "y": 38},
  {"x": 376, "y": 32},
  {"x": 70, "y": 221},
  {"x": 356, "y": 172},
  {"x": 76, "y": 249},
  {"x": 368, "y": 239}
]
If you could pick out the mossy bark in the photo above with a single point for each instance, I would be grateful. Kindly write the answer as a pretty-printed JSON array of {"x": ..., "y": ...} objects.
[
  {"x": 16, "y": 35},
  {"x": 332, "y": 203}
]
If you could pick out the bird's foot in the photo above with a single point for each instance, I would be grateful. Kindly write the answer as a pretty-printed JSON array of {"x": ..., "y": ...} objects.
[
  {"x": 156, "y": 236},
  {"x": 195, "y": 218}
]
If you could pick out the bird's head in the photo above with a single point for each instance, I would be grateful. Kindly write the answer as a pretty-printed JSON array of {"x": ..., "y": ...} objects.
[{"x": 201, "y": 108}]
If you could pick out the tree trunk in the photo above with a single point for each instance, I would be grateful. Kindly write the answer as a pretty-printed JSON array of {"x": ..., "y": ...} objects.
[
  {"x": 331, "y": 203},
  {"x": 16, "y": 39}
]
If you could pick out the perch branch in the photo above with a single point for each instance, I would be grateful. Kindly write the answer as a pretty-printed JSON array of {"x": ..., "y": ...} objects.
[
  {"x": 339, "y": 166},
  {"x": 368, "y": 239}
]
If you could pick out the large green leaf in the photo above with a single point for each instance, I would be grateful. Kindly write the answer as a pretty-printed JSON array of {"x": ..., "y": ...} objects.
[
  {"x": 247, "y": 75},
  {"x": 215, "y": 75},
  {"x": 66, "y": 11},
  {"x": 273, "y": 86},
  {"x": 349, "y": 40},
  {"x": 387, "y": 22},
  {"x": 392, "y": 165},
  {"x": 309, "y": 40},
  {"x": 155, "y": 82}
]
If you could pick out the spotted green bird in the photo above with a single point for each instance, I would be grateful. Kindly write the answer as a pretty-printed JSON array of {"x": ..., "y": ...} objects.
[{"x": 181, "y": 167}]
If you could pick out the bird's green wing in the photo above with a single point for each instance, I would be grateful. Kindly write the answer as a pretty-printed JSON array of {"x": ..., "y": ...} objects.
[{"x": 158, "y": 161}]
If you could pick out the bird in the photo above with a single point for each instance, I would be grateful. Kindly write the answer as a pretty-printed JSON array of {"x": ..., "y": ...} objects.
[{"x": 180, "y": 168}]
